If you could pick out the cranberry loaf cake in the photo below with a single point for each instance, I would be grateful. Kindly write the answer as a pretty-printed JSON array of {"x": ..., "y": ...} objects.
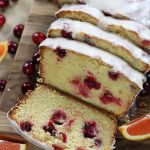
[
  {"x": 93, "y": 35},
  {"x": 54, "y": 121},
  {"x": 133, "y": 31},
  {"x": 137, "y": 10},
  {"x": 89, "y": 73}
]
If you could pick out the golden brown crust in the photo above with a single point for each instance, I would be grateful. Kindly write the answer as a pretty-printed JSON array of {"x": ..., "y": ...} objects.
[{"x": 75, "y": 15}]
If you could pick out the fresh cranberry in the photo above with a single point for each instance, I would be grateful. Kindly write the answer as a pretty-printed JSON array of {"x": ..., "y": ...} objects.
[
  {"x": 60, "y": 52},
  {"x": 64, "y": 137},
  {"x": 28, "y": 68},
  {"x": 36, "y": 57},
  {"x": 2, "y": 85},
  {"x": 91, "y": 82},
  {"x": 144, "y": 93},
  {"x": 113, "y": 75},
  {"x": 107, "y": 98},
  {"x": 90, "y": 129},
  {"x": 50, "y": 128},
  {"x": 38, "y": 37},
  {"x": 59, "y": 117},
  {"x": 26, "y": 126},
  {"x": 4, "y": 3},
  {"x": 66, "y": 34},
  {"x": 98, "y": 142},
  {"x": 2, "y": 20},
  {"x": 12, "y": 47},
  {"x": 26, "y": 86},
  {"x": 18, "y": 30}
]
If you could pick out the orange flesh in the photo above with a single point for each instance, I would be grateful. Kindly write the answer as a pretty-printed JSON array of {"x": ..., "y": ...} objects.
[
  {"x": 139, "y": 126},
  {"x": 9, "y": 146},
  {"x": 1, "y": 50}
]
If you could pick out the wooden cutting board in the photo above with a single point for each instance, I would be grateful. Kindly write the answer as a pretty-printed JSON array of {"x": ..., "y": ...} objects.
[{"x": 40, "y": 17}]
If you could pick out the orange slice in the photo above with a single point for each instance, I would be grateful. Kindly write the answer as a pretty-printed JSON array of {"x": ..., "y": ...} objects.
[
  {"x": 5, "y": 145},
  {"x": 138, "y": 129},
  {"x": 3, "y": 50}
]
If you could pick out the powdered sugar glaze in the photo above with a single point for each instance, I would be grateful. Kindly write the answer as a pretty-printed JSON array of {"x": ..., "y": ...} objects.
[{"x": 138, "y": 10}]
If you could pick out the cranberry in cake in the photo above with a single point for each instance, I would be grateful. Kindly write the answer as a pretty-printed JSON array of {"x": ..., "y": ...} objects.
[
  {"x": 52, "y": 120},
  {"x": 91, "y": 74}
]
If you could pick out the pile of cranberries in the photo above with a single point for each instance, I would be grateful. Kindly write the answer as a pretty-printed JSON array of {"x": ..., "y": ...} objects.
[{"x": 30, "y": 67}]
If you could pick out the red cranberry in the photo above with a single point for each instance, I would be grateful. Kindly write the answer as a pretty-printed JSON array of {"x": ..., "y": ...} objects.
[
  {"x": 113, "y": 75},
  {"x": 90, "y": 129},
  {"x": 80, "y": 148},
  {"x": 36, "y": 57},
  {"x": 59, "y": 117},
  {"x": 4, "y": 3},
  {"x": 60, "y": 52},
  {"x": 18, "y": 30},
  {"x": 50, "y": 128},
  {"x": 2, "y": 20},
  {"x": 28, "y": 68},
  {"x": 108, "y": 98},
  {"x": 92, "y": 83},
  {"x": 38, "y": 37},
  {"x": 66, "y": 34},
  {"x": 12, "y": 47},
  {"x": 147, "y": 87},
  {"x": 98, "y": 142},
  {"x": 64, "y": 137},
  {"x": 2, "y": 85},
  {"x": 26, "y": 126},
  {"x": 26, "y": 86}
]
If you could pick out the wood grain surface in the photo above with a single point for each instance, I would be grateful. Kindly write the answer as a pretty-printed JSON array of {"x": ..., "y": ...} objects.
[{"x": 40, "y": 17}]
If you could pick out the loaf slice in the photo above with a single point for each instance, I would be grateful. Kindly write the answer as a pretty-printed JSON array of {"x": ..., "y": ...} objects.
[
  {"x": 54, "y": 121},
  {"x": 133, "y": 31},
  {"x": 95, "y": 36},
  {"x": 123, "y": 9},
  {"x": 90, "y": 74}
]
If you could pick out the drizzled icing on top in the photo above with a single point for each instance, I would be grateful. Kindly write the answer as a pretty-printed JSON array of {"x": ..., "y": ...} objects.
[
  {"x": 138, "y": 10},
  {"x": 116, "y": 63},
  {"x": 76, "y": 27},
  {"x": 142, "y": 31}
]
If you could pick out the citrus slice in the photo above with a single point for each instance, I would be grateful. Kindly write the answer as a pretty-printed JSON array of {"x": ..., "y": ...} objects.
[
  {"x": 5, "y": 145},
  {"x": 3, "y": 50},
  {"x": 138, "y": 129}
]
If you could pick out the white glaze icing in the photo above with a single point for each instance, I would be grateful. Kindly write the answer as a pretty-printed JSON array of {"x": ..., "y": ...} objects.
[
  {"x": 91, "y": 30},
  {"x": 84, "y": 49},
  {"x": 142, "y": 31},
  {"x": 27, "y": 136},
  {"x": 83, "y": 8},
  {"x": 138, "y": 10}
]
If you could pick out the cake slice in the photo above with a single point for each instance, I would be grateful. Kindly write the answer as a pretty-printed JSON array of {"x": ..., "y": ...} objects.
[
  {"x": 123, "y": 9},
  {"x": 54, "y": 121},
  {"x": 89, "y": 73},
  {"x": 133, "y": 31},
  {"x": 95, "y": 36}
]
